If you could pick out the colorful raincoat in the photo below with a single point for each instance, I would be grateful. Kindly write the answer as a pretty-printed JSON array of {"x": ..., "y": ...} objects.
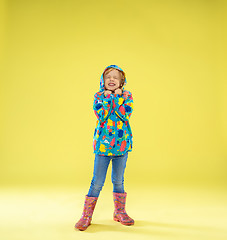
[{"x": 113, "y": 135}]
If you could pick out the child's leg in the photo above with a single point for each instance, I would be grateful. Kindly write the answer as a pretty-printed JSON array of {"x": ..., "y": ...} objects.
[
  {"x": 119, "y": 195},
  {"x": 118, "y": 169},
  {"x": 101, "y": 164}
]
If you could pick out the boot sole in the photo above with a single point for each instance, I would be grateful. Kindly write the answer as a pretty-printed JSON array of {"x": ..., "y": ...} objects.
[
  {"x": 81, "y": 228},
  {"x": 126, "y": 224}
]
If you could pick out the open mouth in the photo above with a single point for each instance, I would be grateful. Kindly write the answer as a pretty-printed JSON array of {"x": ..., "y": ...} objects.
[{"x": 111, "y": 84}]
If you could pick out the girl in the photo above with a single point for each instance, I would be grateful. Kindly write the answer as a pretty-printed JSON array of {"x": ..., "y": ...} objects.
[{"x": 112, "y": 140}]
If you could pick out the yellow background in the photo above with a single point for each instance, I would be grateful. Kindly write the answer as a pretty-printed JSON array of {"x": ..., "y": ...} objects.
[
  {"x": 52, "y": 54},
  {"x": 173, "y": 54}
]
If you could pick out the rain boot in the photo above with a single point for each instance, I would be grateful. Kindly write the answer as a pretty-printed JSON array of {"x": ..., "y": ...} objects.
[
  {"x": 120, "y": 214},
  {"x": 85, "y": 220}
]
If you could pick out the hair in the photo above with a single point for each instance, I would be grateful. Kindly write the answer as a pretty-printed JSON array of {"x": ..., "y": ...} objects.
[{"x": 121, "y": 73}]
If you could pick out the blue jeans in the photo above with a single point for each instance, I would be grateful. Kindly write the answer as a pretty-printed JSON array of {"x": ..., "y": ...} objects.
[{"x": 101, "y": 164}]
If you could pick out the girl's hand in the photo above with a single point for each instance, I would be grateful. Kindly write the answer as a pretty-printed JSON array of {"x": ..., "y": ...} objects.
[
  {"x": 126, "y": 94},
  {"x": 118, "y": 91},
  {"x": 107, "y": 92}
]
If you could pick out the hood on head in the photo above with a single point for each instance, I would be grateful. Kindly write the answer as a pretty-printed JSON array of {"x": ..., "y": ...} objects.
[{"x": 102, "y": 79}]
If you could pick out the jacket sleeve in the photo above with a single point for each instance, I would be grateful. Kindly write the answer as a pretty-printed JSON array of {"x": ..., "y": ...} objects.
[
  {"x": 123, "y": 107},
  {"x": 102, "y": 106}
]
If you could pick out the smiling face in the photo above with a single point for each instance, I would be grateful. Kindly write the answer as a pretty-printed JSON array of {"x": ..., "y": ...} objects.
[{"x": 112, "y": 80}]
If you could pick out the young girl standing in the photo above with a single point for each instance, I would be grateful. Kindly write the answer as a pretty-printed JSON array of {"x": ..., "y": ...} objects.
[{"x": 112, "y": 140}]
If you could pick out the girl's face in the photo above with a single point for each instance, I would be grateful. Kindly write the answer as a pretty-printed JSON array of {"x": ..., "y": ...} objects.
[{"x": 112, "y": 80}]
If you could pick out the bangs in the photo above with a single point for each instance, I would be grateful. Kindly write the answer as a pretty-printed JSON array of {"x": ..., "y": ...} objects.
[{"x": 110, "y": 69}]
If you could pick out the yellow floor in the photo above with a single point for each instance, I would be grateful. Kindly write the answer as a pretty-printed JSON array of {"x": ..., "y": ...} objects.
[{"x": 159, "y": 213}]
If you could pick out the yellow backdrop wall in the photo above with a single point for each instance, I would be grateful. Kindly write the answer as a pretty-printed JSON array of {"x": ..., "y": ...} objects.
[{"x": 173, "y": 54}]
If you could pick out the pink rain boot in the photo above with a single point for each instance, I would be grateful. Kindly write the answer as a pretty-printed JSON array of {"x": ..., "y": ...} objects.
[
  {"x": 86, "y": 217},
  {"x": 120, "y": 214}
]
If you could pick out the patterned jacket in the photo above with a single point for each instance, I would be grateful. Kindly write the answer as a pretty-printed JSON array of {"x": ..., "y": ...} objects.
[{"x": 112, "y": 135}]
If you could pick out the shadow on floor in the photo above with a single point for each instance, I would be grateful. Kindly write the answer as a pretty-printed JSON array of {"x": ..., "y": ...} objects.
[{"x": 150, "y": 228}]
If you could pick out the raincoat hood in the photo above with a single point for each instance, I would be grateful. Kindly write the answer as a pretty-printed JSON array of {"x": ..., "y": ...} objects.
[{"x": 102, "y": 85}]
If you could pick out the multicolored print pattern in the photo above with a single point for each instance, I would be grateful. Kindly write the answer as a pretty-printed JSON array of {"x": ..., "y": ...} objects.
[
  {"x": 89, "y": 206},
  {"x": 120, "y": 214},
  {"x": 113, "y": 135}
]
